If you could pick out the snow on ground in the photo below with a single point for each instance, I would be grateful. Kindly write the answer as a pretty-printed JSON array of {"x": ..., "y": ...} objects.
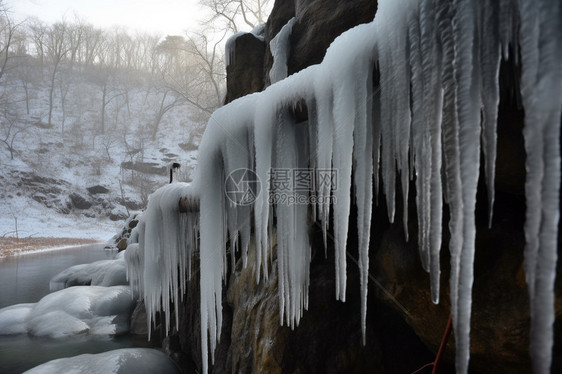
[
  {"x": 122, "y": 361},
  {"x": 36, "y": 220},
  {"x": 44, "y": 189}
]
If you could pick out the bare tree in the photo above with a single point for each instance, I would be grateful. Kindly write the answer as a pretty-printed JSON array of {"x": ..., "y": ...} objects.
[
  {"x": 91, "y": 45},
  {"x": 76, "y": 33},
  {"x": 236, "y": 14},
  {"x": 110, "y": 90},
  {"x": 11, "y": 129},
  {"x": 38, "y": 33},
  {"x": 27, "y": 73},
  {"x": 57, "y": 48},
  {"x": 64, "y": 86},
  {"x": 108, "y": 142},
  {"x": 123, "y": 198},
  {"x": 210, "y": 62},
  {"x": 145, "y": 56},
  {"x": 168, "y": 101},
  {"x": 8, "y": 36},
  {"x": 193, "y": 69}
]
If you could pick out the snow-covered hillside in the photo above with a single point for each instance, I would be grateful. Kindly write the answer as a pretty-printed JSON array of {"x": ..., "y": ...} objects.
[{"x": 68, "y": 179}]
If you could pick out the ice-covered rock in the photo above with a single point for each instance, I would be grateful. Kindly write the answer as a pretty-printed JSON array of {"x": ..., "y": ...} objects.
[
  {"x": 13, "y": 319},
  {"x": 90, "y": 310},
  {"x": 100, "y": 273},
  {"x": 119, "y": 361}
]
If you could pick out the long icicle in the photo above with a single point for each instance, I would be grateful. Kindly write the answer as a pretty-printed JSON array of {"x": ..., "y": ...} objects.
[{"x": 541, "y": 89}]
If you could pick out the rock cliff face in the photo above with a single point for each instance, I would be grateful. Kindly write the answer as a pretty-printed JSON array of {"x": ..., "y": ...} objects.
[{"x": 404, "y": 328}]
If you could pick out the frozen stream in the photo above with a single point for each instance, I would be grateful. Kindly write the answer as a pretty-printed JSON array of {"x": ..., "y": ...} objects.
[{"x": 25, "y": 279}]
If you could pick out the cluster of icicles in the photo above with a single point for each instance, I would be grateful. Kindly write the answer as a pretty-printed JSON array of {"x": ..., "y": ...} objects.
[{"x": 433, "y": 113}]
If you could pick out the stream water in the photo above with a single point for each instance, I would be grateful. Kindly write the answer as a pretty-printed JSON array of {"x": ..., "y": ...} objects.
[{"x": 25, "y": 279}]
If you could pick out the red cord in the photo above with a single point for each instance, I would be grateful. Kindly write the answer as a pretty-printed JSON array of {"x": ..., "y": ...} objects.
[
  {"x": 423, "y": 367},
  {"x": 441, "y": 350}
]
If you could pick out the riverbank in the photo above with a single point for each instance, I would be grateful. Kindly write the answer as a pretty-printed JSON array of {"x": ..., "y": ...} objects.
[{"x": 10, "y": 246}]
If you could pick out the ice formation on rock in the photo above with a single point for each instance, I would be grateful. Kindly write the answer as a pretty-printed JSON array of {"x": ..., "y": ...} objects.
[
  {"x": 160, "y": 264},
  {"x": 280, "y": 47},
  {"x": 104, "y": 273},
  {"x": 433, "y": 113},
  {"x": 76, "y": 310}
]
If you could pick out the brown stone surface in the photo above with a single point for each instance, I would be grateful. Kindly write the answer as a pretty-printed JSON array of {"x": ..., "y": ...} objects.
[
  {"x": 138, "y": 324},
  {"x": 244, "y": 75},
  {"x": 122, "y": 244},
  {"x": 319, "y": 22},
  {"x": 258, "y": 340}
]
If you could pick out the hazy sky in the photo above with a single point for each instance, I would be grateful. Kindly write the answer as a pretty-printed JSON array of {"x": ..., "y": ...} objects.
[{"x": 158, "y": 16}]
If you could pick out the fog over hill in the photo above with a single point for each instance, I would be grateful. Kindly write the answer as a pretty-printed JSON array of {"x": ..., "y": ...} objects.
[{"x": 91, "y": 120}]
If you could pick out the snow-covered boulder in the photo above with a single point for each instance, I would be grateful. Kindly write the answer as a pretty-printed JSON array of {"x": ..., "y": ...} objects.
[
  {"x": 90, "y": 310},
  {"x": 13, "y": 319},
  {"x": 119, "y": 361},
  {"x": 100, "y": 273}
]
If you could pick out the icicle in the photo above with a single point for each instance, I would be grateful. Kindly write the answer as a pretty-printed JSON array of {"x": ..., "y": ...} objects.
[
  {"x": 363, "y": 172},
  {"x": 158, "y": 266},
  {"x": 490, "y": 55},
  {"x": 376, "y": 131},
  {"x": 352, "y": 139},
  {"x": 451, "y": 153},
  {"x": 238, "y": 164},
  {"x": 395, "y": 97},
  {"x": 313, "y": 152},
  {"x": 210, "y": 180},
  {"x": 323, "y": 93},
  {"x": 541, "y": 88},
  {"x": 420, "y": 142},
  {"x": 264, "y": 136},
  {"x": 468, "y": 114},
  {"x": 293, "y": 249},
  {"x": 432, "y": 97},
  {"x": 212, "y": 247},
  {"x": 344, "y": 114},
  {"x": 509, "y": 26}
]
